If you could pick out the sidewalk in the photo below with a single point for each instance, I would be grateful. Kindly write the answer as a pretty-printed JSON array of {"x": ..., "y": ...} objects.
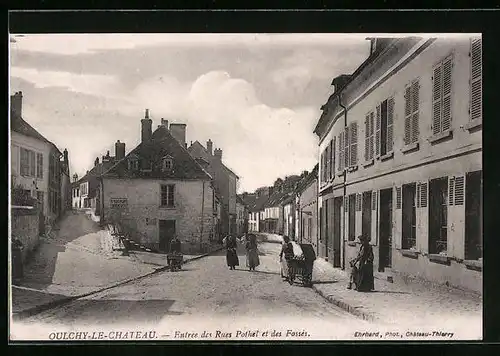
[{"x": 398, "y": 303}]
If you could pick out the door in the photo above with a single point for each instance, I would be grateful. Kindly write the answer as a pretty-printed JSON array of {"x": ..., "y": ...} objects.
[
  {"x": 385, "y": 232},
  {"x": 337, "y": 234},
  {"x": 366, "y": 215},
  {"x": 473, "y": 216},
  {"x": 167, "y": 232}
]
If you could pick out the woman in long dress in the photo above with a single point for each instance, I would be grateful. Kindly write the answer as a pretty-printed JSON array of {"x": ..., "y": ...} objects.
[
  {"x": 252, "y": 252},
  {"x": 231, "y": 255},
  {"x": 363, "y": 279},
  {"x": 286, "y": 266}
]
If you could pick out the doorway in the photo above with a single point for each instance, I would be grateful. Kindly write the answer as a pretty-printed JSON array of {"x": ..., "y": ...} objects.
[
  {"x": 366, "y": 215},
  {"x": 337, "y": 211},
  {"x": 438, "y": 215},
  {"x": 473, "y": 216},
  {"x": 167, "y": 232},
  {"x": 385, "y": 232}
]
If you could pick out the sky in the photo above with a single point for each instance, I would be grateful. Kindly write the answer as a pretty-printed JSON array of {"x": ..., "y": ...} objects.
[{"x": 256, "y": 96}]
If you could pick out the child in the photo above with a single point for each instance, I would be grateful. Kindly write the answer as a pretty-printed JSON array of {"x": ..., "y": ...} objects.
[{"x": 354, "y": 275}]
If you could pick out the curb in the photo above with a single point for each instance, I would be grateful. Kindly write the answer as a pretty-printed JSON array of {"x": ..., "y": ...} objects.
[
  {"x": 347, "y": 307},
  {"x": 43, "y": 307}
]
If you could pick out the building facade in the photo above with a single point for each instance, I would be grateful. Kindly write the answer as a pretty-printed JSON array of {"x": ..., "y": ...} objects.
[
  {"x": 307, "y": 211},
  {"x": 36, "y": 166},
  {"x": 225, "y": 182},
  {"x": 159, "y": 191},
  {"x": 402, "y": 163},
  {"x": 241, "y": 216}
]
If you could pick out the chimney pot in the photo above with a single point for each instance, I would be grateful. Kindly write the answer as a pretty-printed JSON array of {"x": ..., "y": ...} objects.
[
  {"x": 146, "y": 129},
  {"x": 96, "y": 162},
  {"x": 119, "y": 150},
  {"x": 164, "y": 123},
  {"x": 209, "y": 146},
  {"x": 146, "y": 115}
]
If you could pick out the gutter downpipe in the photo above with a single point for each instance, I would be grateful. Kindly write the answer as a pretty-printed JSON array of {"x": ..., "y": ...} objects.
[{"x": 345, "y": 189}]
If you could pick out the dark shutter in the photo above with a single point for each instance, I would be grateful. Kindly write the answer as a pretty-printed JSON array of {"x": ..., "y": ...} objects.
[
  {"x": 476, "y": 106},
  {"x": 436, "y": 100},
  {"x": 377, "y": 132},
  {"x": 451, "y": 186},
  {"x": 447, "y": 71},
  {"x": 390, "y": 124},
  {"x": 354, "y": 144}
]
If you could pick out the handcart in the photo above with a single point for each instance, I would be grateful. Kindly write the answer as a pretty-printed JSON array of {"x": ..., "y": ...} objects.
[
  {"x": 174, "y": 261},
  {"x": 300, "y": 267}
]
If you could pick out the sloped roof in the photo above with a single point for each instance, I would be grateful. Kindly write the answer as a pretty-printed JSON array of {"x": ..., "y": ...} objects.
[
  {"x": 240, "y": 200},
  {"x": 307, "y": 180},
  {"x": 19, "y": 125},
  {"x": 207, "y": 155},
  {"x": 162, "y": 143},
  {"x": 259, "y": 203}
]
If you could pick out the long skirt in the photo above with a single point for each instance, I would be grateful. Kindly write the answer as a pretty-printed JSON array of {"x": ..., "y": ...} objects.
[
  {"x": 287, "y": 268},
  {"x": 365, "y": 282},
  {"x": 252, "y": 258},
  {"x": 232, "y": 258}
]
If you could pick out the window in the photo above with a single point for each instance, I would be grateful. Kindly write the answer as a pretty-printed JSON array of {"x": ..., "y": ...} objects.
[
  {"x": 441, "y": 97},
  {"x": 438, "y": 215},
  {"x": 411, "y": 112},
  {"x": 167, "y": 195},
  {"x": 369, "y": 135},
  {"x": 84, "y": 188},
  {"x": 167, "y": 164},
  {"x": 28, "y": 163},
  {"x": 352, "y": 217},
  {"x": 133, "y": 164},
  {"x": 476, "y": 80},
  {"x": 366, "y": 215},
  {"x": 409, "y": 238},
  {"x": 39, "y": 165},
  {"x": 119, "y": 203},
  {"x": 384, "y": 127}
]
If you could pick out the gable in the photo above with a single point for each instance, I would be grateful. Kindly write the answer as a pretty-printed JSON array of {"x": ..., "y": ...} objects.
[{"x": 151, "y": 154}]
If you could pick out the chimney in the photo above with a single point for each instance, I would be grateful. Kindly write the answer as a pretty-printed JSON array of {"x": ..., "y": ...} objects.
[
  {"x": 119, "y": 150},
  {"x": 178, "y": 131},
  {"x": 65, "y": 154},
  {"x": 209, "y": 146},
  {"x": 96, "y": 162},
  {"x": 164, "y": 123},
  {"x": 218, "y": 153},
  {"x": 146, "y": 129},
  {"x": 16, "y": 104},
  {"x": 75, "y": 177}
]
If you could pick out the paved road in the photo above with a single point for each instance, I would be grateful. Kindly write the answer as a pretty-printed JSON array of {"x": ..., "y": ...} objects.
[{"x": 204, "y": 290}]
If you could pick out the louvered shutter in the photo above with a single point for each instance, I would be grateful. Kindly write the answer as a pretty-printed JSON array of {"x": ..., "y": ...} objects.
[
  {"x": 476, "y": 105},
  {"x": 459, "y": 190},
  {"x": 372, "y": 129},
  {"x": 322, "y": 166},
  {"x": 341, "y": 152},
  {"x": 367, "y": 137},
  {"x": 358, "y": 202},
  {"x": 327, "y": 165},
  {"x": 346, "y": 203},
  {"x": 451, "y": 190},
  {"x": 374, "y": 200},
  {"x": 354, "y": 144},
  {"x": 332, "y": 168},
  {"x": 346, "y": 147},
  {"x": 417, "y": 195},
  {"x": 446, "y": 103},
  {"x": 377, "y": 132},
  {"x": 390, "y": 124},
  {"x": 436, "y": 100},
  {"x": 398, "y": 198},
  {"x": 408, "y": 112},
  {"x": 415, "y": 103},
  {"x": 423, "y": 195}
]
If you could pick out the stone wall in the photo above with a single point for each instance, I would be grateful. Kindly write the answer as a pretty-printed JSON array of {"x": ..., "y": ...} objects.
[{"x": 25, "y": 227}]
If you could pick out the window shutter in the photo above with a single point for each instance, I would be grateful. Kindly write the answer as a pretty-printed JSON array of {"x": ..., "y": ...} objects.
[
  {"x": 423, "y": 195},
  {"x": 354, "y": 143},
  {"x": 476, "y": 106},
  {"x": 447, "y": 71},
  {"x": 322, "y": 159},
  {"x": 436, "y": 100},
  {"x": 408, "y": 112},
  {"x": 374, "y": 200},
  {"x": 346, "y": 203},
  {"x": 333, "y": 158},
  {"x": 417, "y": 196},
  {"x": 327, "y": 165},
  {"x": 451, "y": 186},
  {"x": 341, "y": 152},
  {"x": 415, "y": 97},
  {"x": 367, "y": 137},
  {"x": 398, "y": 197},
  {"x": 390, "y": 124},
  {"x": 372, "y": 126},
  {"x": 346, "y": 147},
  {"x": 377, "y": 133},
  {"x": 358, "y": 202},
  {"x": 459, "y": 190}
]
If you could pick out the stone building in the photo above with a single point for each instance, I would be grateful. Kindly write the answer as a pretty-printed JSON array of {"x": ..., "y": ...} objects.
[
  {"x": 159, "y": 191},
  {"x": 307, "y": 211},
  {"x": 400, "y": 157}
]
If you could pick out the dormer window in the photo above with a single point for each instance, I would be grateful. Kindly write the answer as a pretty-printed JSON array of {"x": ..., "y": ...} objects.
[
  {"x": 167, "y": 163},
  {"x": 133, "y": 163}
]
